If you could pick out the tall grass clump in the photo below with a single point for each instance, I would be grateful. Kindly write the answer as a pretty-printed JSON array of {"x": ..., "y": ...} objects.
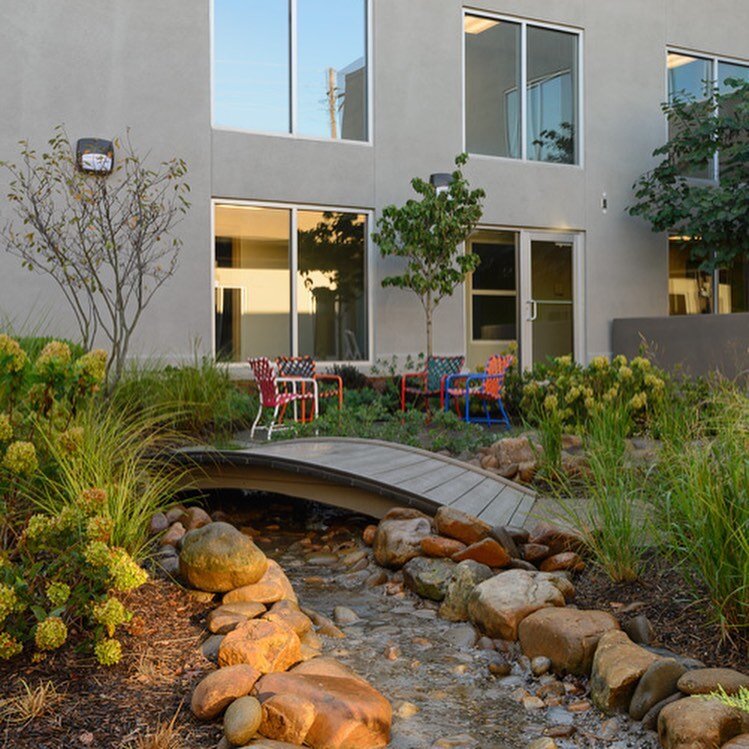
[
  {"x": 702, "y": 500},
  {"x": 120, "y": 452},
  {"x": 610, "y": 514}
]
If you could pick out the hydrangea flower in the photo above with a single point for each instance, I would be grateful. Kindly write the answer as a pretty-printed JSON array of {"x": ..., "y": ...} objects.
[
  {"x": 20, "y": 458},
  {"x": 599, "y": 362},
  {"x": 108, "y": 652},
  {"x": 12, "y": 357},
  {"x": 99, "y": 528},
  {"x": 9, "y": 646},
  {"x": 92, "y": 500},
  {"x": 551, "y": 402},
  {"x": 6, "y": 429},
  {"x": 126, "y": 573},
  {"x": 37, "y": 527},
  {"x": 97, "y": 554},
  {"x": 58, "y": 593},
  {"x": 92, "y": 365},
  {"x": 638, "y": 401},
  {"x": 110, "y": 614},
  {"x": 55, "y": 352},
  {"x": 51, "y": 633},
  {"x": 8, "y": 601}
]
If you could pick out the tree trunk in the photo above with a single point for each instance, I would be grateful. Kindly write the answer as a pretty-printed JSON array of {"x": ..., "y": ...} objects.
[{"x": 430, "y": 332}]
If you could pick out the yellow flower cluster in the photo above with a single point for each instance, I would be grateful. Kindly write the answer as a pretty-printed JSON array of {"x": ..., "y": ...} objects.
[
  {"x": 99, "y": 528},
  {"x": 108, "y": 652},
  {"x": 50, "y": 634},
  {"x": 20, "y": 458},
  {"x": 8, "y": 602},
  {"x": 599, "y": 362},
  {"x": 92, "y": 365},
  {"x": 92, "y": 500},
  {"x": 638, "y": 401},
  {"x": 126, "y": 573},
  {"x": 9, "y": 646},
  {"x": 12, "y": 357},
  {"x": 110, "y": 614},
  {"x": 55, "y": 352},
  {"x": 6, "y": 429},
  {"x": 58, "y": 593}
]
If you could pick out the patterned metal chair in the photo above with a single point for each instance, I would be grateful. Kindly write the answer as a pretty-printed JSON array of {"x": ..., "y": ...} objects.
[
  {"x": 430, "y": 382},
  {"x": 487, "y": 387},
  {"x": 304, "y": 367},
  {"x": 271, "y": 397}
]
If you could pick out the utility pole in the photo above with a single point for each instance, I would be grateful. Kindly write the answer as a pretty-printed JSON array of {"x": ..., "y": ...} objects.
[{"x": 332, "y": 103}]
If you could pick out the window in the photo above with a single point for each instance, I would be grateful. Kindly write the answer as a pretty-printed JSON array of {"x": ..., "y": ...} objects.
[
  {"x": 698, "y": 77},
  {"x": 521, "y": 90},
  {"x": 259, "y": 312},
  {"x": 292, "y": 66}
]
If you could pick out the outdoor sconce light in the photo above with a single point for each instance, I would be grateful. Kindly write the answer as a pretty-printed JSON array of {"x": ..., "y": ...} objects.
[
  {"x": 441, "y": 181},
  {"x": 95, "y": 155}
]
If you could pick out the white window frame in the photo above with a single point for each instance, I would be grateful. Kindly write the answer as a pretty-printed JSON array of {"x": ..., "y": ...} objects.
[
  {"x": 715, "y": 61},
  {"x": 293, "y": 57},
  {"x": 294, "y": 208},
  {"x": 524, "y": 24}
]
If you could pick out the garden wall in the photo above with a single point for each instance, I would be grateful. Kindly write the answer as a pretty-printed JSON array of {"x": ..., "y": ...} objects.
[{"x": 694, "y": 344}]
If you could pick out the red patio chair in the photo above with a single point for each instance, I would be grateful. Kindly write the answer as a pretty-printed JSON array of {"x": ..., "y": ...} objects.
[
  {"x": 430, "y": 382},
  {"x": 304, "y": 367},
  {"x": 270, "y": 396}
]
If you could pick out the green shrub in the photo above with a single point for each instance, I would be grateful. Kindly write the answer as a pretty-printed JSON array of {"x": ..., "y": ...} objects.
[{"x": 740, "y": 699}]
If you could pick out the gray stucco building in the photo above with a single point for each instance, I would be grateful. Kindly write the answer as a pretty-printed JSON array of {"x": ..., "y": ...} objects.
[{"x": 301, "y": 119}]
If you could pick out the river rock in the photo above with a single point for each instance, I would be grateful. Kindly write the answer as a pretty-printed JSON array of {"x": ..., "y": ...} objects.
[
  {"x": 650, "y": 719},
  {"x": 567, "y": 560},
  {"x": 195, "y": 517},
  {"x": 428, "y": 578},
  {"x": 618, "y": 665},
  {"x": 399, "y": 540},
  {"x": 514, "y": 450},
  {"x": 556, "y": 538},
  {"x": 220, "y": 688},
  {"x": 287, "y": 717},
  {"x": 349, "y": 712},
  {"x": 466, "y": 576},
  {"x": 639, "y": 630},
  {"x": 267, "y": 646},
  {"x": 218, "y": 558},
  {"x": 158, "y": 524},
  {"x": 460, "y": 525},
  {"x": 368, "y": 535},
  {"x": 463, "y": 636},
  {"x": 534, "y": 553},
  {"x": 438, "y": 546},
  {"x": 697, "y": 723},
  {"x": 706, "y": 680},
  {"x": 740, "y": 742},
  {"x": 487, "y": 551},
  {"x": 242, "y": 719},
  {"x": 568, "y": 636},
  {"x": 657, "y": 683},
  {"x": 271, "y": 587},
  {"x": 174, "y": 534},
  {"x": 503, "y": 535},
  {"x": 221, "y": 622},
  {"x": 288, "y": 613},
  {"x": 498, "y": 605}
]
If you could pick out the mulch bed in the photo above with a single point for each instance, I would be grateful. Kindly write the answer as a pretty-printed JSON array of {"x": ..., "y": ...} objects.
[
  {"x": 119, "y": 706},
  {"x": 680, "y": 622}
]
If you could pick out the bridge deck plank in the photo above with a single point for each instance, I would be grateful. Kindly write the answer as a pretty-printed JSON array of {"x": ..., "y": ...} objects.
[
  {"x": 453, "y": 489},
  {"x": 431, "y": 480}
]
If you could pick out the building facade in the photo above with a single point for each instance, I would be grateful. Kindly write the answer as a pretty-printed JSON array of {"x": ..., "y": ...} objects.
[{"x": 301, "y": 119}]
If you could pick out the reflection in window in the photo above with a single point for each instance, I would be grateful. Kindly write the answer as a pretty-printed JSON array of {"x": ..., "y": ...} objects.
[
  {"x": 251, "y": 65},
  {"x": 494, "y": 287},
  {"x": 254, "y": 248},
  {"x": 331, "y": 301},
  {"x": 493, "y": 108},
  {"x": 729, "y": 72},
  {"x": 690, "y": 289},
  {"x": 733, "y": 287},
  {"x": 252, "y": 282},
  {"x": 253, "y": 59}
]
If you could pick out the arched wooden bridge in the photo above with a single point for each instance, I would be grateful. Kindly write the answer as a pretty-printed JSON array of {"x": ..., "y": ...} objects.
[{"x": 368, "y": 476}]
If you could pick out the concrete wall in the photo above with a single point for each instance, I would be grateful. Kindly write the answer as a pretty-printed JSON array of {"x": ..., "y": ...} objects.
[{"x": 100, "y": 67}]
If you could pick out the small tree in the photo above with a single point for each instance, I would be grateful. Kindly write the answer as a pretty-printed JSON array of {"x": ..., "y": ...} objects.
[
  {"x": 713, "y": 217},
  {"x": 105, "y": 240},
  {"x": 429, "y": 232}
]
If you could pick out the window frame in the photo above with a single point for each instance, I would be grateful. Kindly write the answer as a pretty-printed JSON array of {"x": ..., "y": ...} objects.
[
  {"x": 294, "y": 209},
  {"x": 524, "y": 23},
  {"x": 293, "y": 105},
  {"x": 714, "y": 61}
]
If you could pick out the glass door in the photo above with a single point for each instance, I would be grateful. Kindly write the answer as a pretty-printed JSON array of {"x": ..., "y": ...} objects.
[{"x": 549, "y": 297}]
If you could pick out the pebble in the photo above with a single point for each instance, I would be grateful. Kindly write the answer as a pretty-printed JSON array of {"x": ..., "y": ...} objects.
[
  {"x": 540, "y": 665},
  {"x": 210, "y": 647},
  {"x": 581, "y": 706},
  {"x": 609, "y": 729},
  {"x": 499, "y": 666},
  {"x": 543, "y": 743},
  {"x": 392, "y": 652},
  {"x": 242, "y": 719},
  {"x": 345, "y": 616},
  {"x": 639, "y": 630},
  {"x": 533, "y": 703},
  {"x": 464, "y": 741},
  {"x": 462, "y": 636},
  {"x": 485, "y": 643},
  {"x": 406, "y": 710}
]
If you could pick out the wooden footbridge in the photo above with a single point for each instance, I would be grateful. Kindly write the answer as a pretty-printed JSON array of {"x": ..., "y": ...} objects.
[{"x": 368, "y": 476}]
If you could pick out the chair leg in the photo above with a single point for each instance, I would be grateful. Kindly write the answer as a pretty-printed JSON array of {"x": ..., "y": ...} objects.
[
  {"x": 257, "y": 421},
  {"x": 272, "y": 422}
]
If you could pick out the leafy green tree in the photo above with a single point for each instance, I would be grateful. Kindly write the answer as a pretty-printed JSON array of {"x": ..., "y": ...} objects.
[
  {"x": 711, "y": 215},
  {"x": 428, "y": 233}
]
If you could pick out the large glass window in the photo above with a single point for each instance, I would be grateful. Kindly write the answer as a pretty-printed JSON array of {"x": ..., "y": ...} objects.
[
  {"x": 543, "y": 124},
  {"x": 258, "y": 313},
  {"x": 297, "y": 68}
]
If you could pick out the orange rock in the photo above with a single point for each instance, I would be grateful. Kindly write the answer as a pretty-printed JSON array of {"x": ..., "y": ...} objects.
[
  {"x": 437, "y": 546},
  {"x": 287, "y": 717},
  {"x": 460, "y": 525},
  {"x": 557, "y": 539},
  {"x": 266, "y": 646},
  {"x": 567, "y": 560},
  {"x": 349, "y": 712},
  {"x": 534, "y": 553},
  {"x": 273, "y": 586},
  {"x": 288, "y": 613},
  {"x": 369, "y": 534},
  {"x": 487, "y": 552},
  {"x": 220, "y": 688}
]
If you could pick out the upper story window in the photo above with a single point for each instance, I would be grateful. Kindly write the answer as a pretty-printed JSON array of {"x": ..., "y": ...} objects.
[
  {"x": 292, "y": 66},
  {"x": 522, "y": 90},
  {"x": 698, "y": 77}
]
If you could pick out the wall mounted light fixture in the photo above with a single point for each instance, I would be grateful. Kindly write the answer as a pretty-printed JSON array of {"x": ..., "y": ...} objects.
[
  {"x": 441, "y": 181},
  {"x": 95, "y": 155}
]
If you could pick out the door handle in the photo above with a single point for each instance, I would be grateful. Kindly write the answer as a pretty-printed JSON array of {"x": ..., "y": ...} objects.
[{"x": 533, "y": 310}]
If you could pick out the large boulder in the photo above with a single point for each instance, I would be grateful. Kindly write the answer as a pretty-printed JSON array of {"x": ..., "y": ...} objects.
[
  {"x": 266, "y": 646},
  {"x": 707, "y": 680},
  {"x": 399, "y": 540},
  {"x": 460, "y": 525},
  {"x": 218, "y": 558},
  {"x": 271, "y": 587},
  {"x": 698, "y": 723},
  {"x": 349, "y": 712},
  {"x": 220, "y": 688},
  {"x": 428, "y": 578},
  {"x": 466, "y": 576},
  {"x": 618, "y": 666},
  {"x": 498, "y": 605},
  {"x": 568, "y": 637},
  {"x": 656, "y": 684},
  {"x": 515, "y": 450}
]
